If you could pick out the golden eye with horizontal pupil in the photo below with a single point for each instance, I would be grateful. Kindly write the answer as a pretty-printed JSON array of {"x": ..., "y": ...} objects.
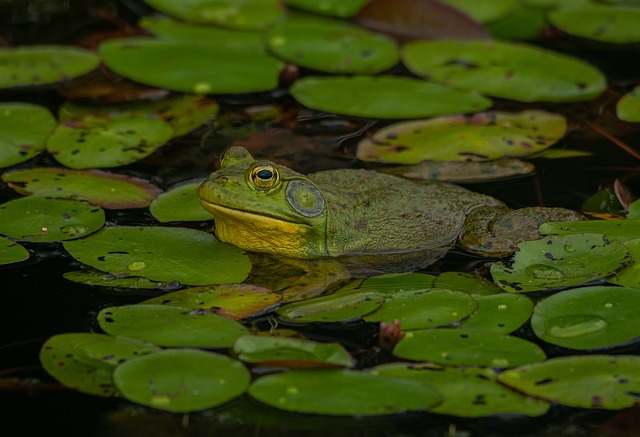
[
  {"x": 264, "y": 176},
  {"x": 305, "y": 199}
]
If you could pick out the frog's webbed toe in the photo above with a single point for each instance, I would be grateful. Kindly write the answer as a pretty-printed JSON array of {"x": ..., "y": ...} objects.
[{"x": 496, "y": 232}]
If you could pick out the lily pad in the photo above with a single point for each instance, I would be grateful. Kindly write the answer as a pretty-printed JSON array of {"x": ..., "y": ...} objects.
[
  {"x": 617, "y": 25},
  {"x": 459, "y": 347},
  {"x": 25, "y": 128},
  {"x": 395, "y": 282},
  {"x": 85, "y": 362},
  {"x": 109, "y": 190},
  {"x": 628, "y": 107},
  {"x": 338, "y": 307},
  {"x": 466, "y": 391},
  {"x": 11, "y": 252},
  {"x": 484, "y": 12},
  {"x": 336, "y": 8},
  {"x": 500, "y": 313},
  {"x": 188, "y": 256},
  {"x": 236, "y": 14},
  {"x": 634, "y": 211},
  {"x": 588, "y": 317},
  {"x": 107, "y": 141},
  {"x": 341, "y": 393},
  {"x": 523, "y": 23},
  {"x": 483, "y": 136},
  {"x": 612, "y": 229},
  {"x": 181, "y": 203},
  {"x": 290, "y": 352},
  {"x": 332, "y": 46},
  {"x": 424, "y": 309},
  {"x": 384, "y": 97},
  {"x": 235, "y": 301},
  {"x": 593, "y": 381},
  {"x": 170, "y": 326},
  {"x": 560, "y": 261},
  {"x": 39, "y": 65},
  {"x": 631, "y": 276},
  {"x": 191, "y": 68},
  {"x": 467, "y": 282},
  {"x": 463, "y": 171},
  {"x": 102, "y": 279},
  {"x": 500, "y": 69},
  {"x": 182, "y": 380},
  {"x": 49, "y": 217}
]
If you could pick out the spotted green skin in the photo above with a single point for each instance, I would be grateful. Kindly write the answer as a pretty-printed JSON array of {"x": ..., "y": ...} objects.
[{"x": 347, "y": 213}]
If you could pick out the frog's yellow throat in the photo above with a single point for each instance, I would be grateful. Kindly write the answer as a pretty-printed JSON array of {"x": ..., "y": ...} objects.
[{"x": 259, "y": 233}]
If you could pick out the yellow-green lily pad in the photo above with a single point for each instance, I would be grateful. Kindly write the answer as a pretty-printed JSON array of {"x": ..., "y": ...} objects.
[
  {"x": 338, "y": 307},
  {"x": 107, "y": 141},
  {"x": 182, "y": 380},
  {"x": 560, "y": 261},
  {"x": 11, "y": 252},
  {"x": 459, "y": 347},
  {"x": 588, "y": 317},
  {"x": 592, "y": 381},
  {"x": 384, "y": 97},
  {"x": 170, "y": 326},
  {"x": 162, "y": 254},
  {"x": 25, "y": 129},
  {"x": 336, "y": 8},
  {"x": 341, "y": 393},
  {"x": 181, "y": 203},
  {"x": 39, "y": 65},
  {"x": 466, "y": 391},
  {"x": 502, "y": 69},
  {"x": 85, "y": 362},
  {"x": 395, "y": 282},
  {"x": 109, "y": 190},
  {"x": 628, "y": 107},
  {"x": 463, "y": 171},
  {"x": 49, "y": 217},
  {"x": 618, "y": 25},
  {"x": 480, "y": 137}
]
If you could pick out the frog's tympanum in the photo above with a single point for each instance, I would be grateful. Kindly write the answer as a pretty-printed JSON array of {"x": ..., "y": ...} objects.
[{"x": 358, "y": 215}]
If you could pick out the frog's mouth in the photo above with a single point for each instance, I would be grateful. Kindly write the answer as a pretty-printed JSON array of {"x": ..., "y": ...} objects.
[{"x": 222, "y": 212}]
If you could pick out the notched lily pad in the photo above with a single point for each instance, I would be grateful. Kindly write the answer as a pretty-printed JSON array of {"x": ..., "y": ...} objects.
[
  {"x": 616, "y": 25},
  {"x": 170, "y": 326},
  {"x": 11, "y": 252},
  {"x": 180, "y": 203},
  {"x": 290, "y": 352},
  {"x": 560, "y": 261},
  {"x": 338, "y": 307},
  {"x": 593, "y": 381},
  {"x": 109, "y": 190},
  {"x": 49, "y": 217},
  {"x": 107, "y": 141},
  {"x": 162, "y": 254},
  {"x": 182, "y": 380},
  {"x": 479, "y": 137},
  {"x": 25, "y": 129},
  {"x": 85, "y": 362}
]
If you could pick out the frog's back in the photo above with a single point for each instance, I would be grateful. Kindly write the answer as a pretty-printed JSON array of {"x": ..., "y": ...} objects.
[{"x": 371, "y": 213}]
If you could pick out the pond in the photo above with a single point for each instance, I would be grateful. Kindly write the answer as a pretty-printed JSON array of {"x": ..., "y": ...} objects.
[{"x": 126, "y": 316}]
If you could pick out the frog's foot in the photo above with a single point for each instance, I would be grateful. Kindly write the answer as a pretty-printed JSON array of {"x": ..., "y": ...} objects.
[{"x": 496, "y": 232}]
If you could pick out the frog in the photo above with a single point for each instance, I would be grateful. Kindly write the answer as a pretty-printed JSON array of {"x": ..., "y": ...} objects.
[{"x": 357, "y": 217}]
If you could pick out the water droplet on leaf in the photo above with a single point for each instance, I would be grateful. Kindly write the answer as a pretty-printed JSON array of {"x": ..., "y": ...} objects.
[{"x": 137, "y": 266}]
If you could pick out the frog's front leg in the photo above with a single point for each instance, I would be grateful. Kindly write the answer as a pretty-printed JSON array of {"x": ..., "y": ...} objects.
[{"x": 495, "y": 232}]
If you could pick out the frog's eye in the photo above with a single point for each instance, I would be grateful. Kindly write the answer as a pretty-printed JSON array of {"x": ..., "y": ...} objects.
[{"x": 264, "y": 176}]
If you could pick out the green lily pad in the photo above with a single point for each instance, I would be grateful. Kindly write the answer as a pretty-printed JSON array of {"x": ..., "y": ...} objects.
[
  {"x": 107, "y": 141},
  {"x": 459, "y": 347},
  {"x": 424, "y": 309},
  {"x": 290, "y": 352},
  {"x": 634, "y": 211},
  {"x": 523, "y": 23},
  {"x": 338, "y": 307},
  {"x": 500, "y": 313},
  {"x": 612, "y": 229},
  {"x": 617, "y": 25},
  {"x": 235, "y": 14},
  {"x": 560, "y": 261},
  {"x": 49, "y": 217},
  {"x": 170, "y": 326},
  {"x": 181, "y": 203},
  {"x": 463, "y": 171},
  {"x": 384, "y": 97},
  {"x": 336, "y": 8},
  {"x": 235, "y": 301},
  {"x": 11, "y": 252},
  {"x": 38, "y": 65},
  {"x": 628, "y": 107},
  {"x": 588, "y": 317},
  {"x": 25, "y": 128},
  {"x": 188, "y": 256},
  {"x": 466, "y": 391},
  {"x": 484, "y": 12},
  {"x": 191, "y": 68},
  {"x": 604, "y": 201},
  {"x": 102, "y": 279},
  {"x": 182, "y": 380},
  {"x": 467, "y": 282},
  {"x": 394, "y": 282},
  {"x": 85, "y": 362},
  {"x": 593, "y": 381},
  {"x": 341, "y": 393},
  {"x": 508, "y": 70},
  {"x": 631, "y": 276},
  {"x": 109, "y": 190},
  {"x": 332, "y": 46},
  {"x": 183, "y": 113},
  {"x": 481, "y": 137}
]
